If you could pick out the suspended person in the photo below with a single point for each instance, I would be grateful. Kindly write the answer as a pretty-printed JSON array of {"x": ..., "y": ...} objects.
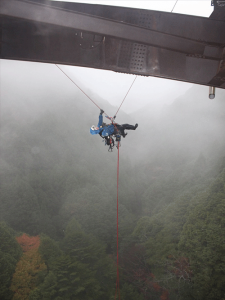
[{"x": 106, "y": 131}]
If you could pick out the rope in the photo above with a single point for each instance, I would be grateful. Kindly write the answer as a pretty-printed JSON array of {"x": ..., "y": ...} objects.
[
  {"x": 77, "y": 86},
  {"x": 174, "y": 6},
  {"x": 90, "y": 98},
  {"x": 117, "y": 228},
  {"x": 126, "y": 95}
]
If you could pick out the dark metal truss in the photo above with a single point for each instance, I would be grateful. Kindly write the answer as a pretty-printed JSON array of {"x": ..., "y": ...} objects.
[{"x": 134, "y": 41}]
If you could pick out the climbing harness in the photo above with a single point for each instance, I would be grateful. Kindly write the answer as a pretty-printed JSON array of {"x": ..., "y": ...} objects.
[{"x": 109, "y": 140}]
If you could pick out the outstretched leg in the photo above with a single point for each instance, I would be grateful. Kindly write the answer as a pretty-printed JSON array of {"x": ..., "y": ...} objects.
[
  {"x": 123, "y": 127},
  {"x": 129, "y": 127}
]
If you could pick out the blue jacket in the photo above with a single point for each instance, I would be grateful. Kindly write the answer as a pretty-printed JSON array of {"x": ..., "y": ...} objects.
[{"x": 105, "y": 130}]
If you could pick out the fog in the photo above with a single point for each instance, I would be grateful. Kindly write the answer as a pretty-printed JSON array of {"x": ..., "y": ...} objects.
[
  {"x": 177, "y": 121},
  {"x": 113, "y": 87},
  {"x": 59, "y": 188},
  {"x": 172, "y": 116},
  {"x": 59, "y": 185}
]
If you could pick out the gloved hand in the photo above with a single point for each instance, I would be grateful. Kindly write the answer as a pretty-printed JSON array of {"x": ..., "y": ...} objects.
[{"x": 101, "y": 111}]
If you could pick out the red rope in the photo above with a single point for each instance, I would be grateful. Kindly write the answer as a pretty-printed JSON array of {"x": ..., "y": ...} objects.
[
  {"x": 126, "y": 94},
  {"x": 89, "y": 97},
  {"x": 117, "y": 227},
  {"x": 77, "y": 86},
  {"x": 117, "y": 279}
]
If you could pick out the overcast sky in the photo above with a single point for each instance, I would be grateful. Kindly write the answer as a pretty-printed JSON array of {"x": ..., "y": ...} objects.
[
  {"x": 113, "y": 86},
  {"x": 193, "y": 7}
]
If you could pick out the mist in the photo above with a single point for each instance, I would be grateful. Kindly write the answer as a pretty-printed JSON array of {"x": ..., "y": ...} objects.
[
  {"x": 58, "y": 184},
  {"x": 39, "y": 102}
]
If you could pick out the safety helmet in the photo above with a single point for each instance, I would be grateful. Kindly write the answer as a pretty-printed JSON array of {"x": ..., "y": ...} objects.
[{"x": 93, "y": 127}]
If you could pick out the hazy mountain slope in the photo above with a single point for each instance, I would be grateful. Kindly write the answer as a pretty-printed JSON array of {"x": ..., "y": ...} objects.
[
  {"x": 193, "y": 124},
  {"x": 55, "y": 175}
]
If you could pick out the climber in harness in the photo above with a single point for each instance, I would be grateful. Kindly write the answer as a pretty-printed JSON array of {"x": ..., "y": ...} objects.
[{"x": 108, "y": 131}]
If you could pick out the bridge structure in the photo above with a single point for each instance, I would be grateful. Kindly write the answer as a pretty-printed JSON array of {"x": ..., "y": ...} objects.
[{"x": 134, "y": 41}]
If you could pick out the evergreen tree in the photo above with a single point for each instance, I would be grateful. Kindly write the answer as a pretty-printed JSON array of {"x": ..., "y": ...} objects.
[
  {"x": 91, "y": 253},
  {"x": 202, "y": 241},
  {"x": 10, "y": 253},
  {"x": 49, "y": 250}
]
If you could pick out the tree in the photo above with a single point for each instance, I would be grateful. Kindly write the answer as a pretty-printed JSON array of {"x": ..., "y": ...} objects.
[
  {"x": 75, "y": 280},
  {"x": 10, "y": 253},
  {"x": 28, "y": 243},
  {"x": 46, "y": 290},
  {"x": 49, "y": 250},
  {"x": 91, "y": 252},
  {"x": 202, "y": 241},
  {"x": 27, "y": 269},
  {"x": 129, "y": 292},
  {"x": 137, "y": 272}
]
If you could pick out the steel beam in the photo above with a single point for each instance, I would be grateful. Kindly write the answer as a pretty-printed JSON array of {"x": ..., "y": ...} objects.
[
  {"x": 55, "y": 16},
  {"x": 126, "y": 40}
]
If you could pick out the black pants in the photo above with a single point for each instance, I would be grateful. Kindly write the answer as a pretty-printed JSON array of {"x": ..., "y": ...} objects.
[{"x": 119, "y": 129}]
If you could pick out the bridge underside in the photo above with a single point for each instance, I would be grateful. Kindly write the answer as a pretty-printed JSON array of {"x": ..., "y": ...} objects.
[{"x": 126, "y": 40}]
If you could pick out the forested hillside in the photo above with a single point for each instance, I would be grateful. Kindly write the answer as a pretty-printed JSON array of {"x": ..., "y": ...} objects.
[{"x": 58, "y": 198}]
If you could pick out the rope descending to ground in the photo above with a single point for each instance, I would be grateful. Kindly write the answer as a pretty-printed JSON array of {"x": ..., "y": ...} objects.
[
  {"x": 117, "y": 227},
  {"x": 117, "y": 223}
]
